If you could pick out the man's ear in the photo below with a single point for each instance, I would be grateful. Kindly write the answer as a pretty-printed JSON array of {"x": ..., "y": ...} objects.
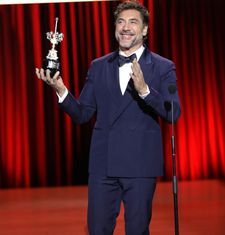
[{"x": 145, "y": 30}]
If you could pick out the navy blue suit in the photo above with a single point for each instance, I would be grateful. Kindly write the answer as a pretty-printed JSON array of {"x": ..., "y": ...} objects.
[{"x": 126, "y": 140}]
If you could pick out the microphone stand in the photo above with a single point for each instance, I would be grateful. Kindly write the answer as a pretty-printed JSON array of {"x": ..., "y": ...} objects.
[{"x": 175, "y": 185}]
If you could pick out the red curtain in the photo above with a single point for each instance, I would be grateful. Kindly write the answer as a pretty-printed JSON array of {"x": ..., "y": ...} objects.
[
  {"x": 192, "y": 34},
  {"x": 39, "y": 145}
]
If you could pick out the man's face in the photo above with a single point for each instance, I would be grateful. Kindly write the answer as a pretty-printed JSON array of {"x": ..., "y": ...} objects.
[{"x": 130, "y": 30}]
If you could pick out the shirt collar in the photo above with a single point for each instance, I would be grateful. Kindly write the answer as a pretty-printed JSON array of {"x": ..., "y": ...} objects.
[{"x": 138, "y": 52}]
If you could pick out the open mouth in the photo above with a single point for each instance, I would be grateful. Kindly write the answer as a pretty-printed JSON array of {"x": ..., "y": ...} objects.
[{"x": 126, "y": 36}]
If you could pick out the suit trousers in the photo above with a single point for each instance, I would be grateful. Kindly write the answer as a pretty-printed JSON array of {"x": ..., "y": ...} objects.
[{"x": 105, "y": 195}]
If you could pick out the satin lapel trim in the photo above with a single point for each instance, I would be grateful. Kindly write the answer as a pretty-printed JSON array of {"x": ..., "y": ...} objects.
[
  {"x": 113, "y": 81},
  {"x": 146, "y": 65}
]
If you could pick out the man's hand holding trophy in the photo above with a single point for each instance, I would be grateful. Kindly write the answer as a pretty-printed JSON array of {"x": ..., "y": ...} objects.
[{"x": 51, "y": 66}]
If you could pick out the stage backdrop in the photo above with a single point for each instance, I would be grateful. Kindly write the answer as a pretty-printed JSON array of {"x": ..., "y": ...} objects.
[{"x": 39, "y": 145}]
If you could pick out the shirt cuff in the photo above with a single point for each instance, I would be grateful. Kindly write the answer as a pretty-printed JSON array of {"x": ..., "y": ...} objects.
[
  {"x": 62, "y": 98},
  {"x": 145, "y": 94}
]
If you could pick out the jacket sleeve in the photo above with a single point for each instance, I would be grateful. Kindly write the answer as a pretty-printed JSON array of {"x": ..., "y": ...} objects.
[
  {"x": 164, "y": 98},
  {"x": 83, "y": 108}
]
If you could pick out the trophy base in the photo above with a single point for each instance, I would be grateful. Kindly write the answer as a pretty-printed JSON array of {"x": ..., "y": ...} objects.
[{"x": 52, "y": 65}]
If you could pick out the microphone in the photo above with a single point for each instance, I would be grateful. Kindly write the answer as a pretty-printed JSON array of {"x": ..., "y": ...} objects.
[
  {"x": 172, "y": 89},
  {"x": 169, "y": 106}
]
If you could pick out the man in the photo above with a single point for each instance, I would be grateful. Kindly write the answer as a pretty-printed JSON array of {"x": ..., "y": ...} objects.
[{"x": 126, "y": 147}]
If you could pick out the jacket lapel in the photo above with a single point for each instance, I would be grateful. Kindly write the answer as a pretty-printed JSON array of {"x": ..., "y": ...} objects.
[
  {"x": 123, "y": 101},
  {"x": 146, "y": 65},
  {"x": 113, "y": 79}
]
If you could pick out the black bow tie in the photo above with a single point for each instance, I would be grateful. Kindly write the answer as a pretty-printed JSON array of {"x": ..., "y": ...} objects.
[{"x": 123, "y": 59}]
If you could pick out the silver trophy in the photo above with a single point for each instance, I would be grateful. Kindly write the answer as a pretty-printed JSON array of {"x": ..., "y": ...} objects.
[{"x": 52, "y": 61}]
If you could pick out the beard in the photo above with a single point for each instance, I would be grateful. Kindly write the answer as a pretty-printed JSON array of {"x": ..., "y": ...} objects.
[{"x": 128, "y": 40}]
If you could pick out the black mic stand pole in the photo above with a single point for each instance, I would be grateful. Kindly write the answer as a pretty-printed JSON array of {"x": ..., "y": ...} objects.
[{"x": 175, "y": 185}]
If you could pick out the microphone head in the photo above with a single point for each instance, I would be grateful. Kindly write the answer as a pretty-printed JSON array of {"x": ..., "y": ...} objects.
[
  {"x": 172, "y": 88},
  {"x": 167, "y": 105}
]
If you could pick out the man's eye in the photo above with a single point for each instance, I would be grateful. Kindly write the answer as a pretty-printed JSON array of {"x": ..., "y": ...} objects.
[
  {"x": 119, "y": 21},
  {"x": 133, "y": 22}
]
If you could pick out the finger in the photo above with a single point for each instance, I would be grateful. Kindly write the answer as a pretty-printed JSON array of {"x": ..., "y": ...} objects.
[
  {"x": 136, "y": 67},
  {"x": 135, "y": 71},
  {"x": 42, "y": 74},
  {"x": 48, "y": 76},
  {"x": 135, "y": 63},
  {"x": 56, "y": 75},
  {"x": 55, "y": 78},
  {"x": 133, "y": 77},
  {"x": 38, "y": 73}
]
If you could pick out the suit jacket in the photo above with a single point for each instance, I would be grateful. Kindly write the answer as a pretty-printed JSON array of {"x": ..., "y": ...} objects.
[{"x": 126, "y": 140}]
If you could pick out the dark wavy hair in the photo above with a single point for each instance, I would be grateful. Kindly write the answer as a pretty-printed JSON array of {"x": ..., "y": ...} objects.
[{"x": 127, "y": 5}]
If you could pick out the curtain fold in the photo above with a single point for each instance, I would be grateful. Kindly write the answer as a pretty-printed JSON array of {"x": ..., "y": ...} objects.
[{"x": 40, "y": 146}]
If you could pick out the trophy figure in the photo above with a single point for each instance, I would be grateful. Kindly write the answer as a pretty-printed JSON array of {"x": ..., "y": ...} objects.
[{"x": 52, "y": 61}]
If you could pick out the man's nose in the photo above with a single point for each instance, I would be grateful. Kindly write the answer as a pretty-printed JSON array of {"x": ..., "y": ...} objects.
[{"x": 126, "y": 26}]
